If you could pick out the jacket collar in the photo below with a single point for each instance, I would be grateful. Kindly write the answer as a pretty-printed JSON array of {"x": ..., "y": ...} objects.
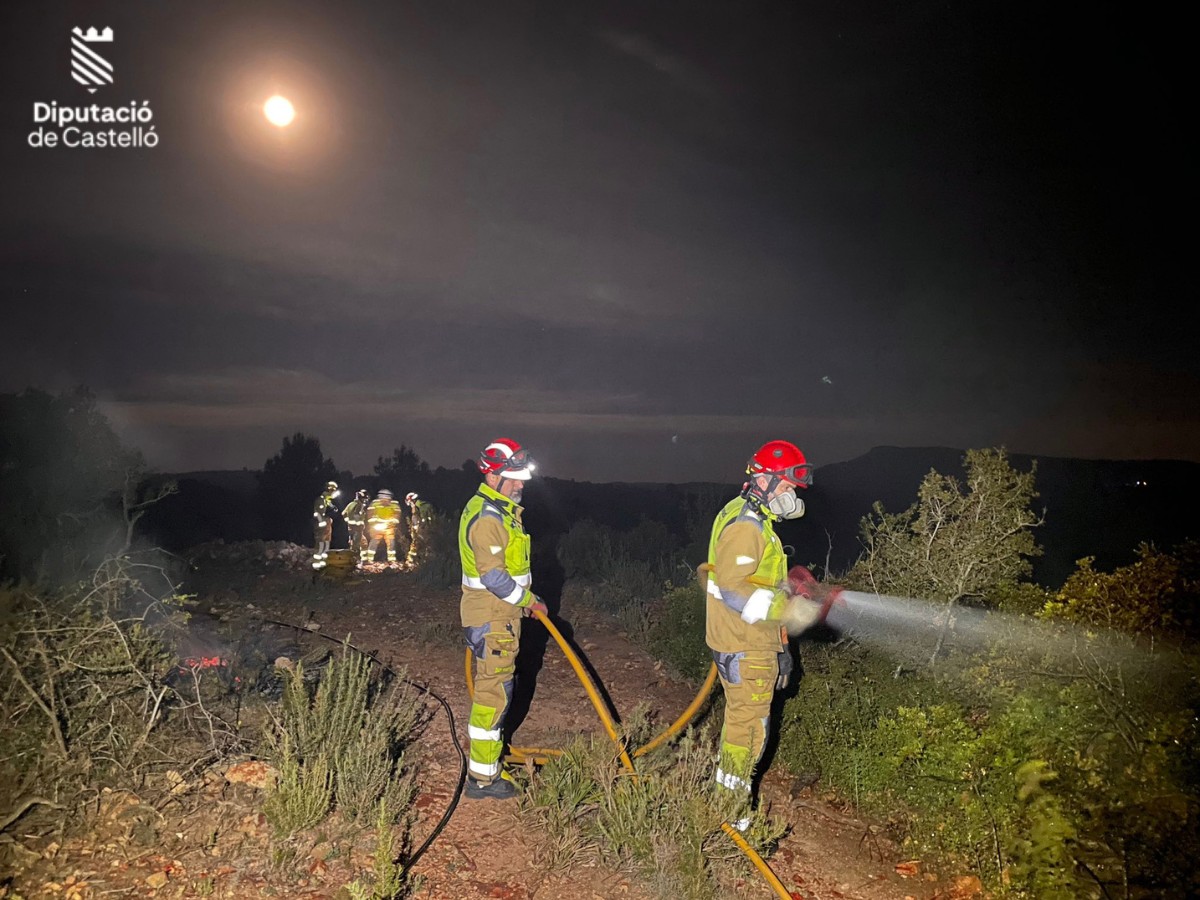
[
  {"x": 756, "y": 504},
  {"x": 498, "y": 499}
]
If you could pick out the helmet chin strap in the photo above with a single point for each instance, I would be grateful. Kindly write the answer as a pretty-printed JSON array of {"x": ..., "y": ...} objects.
[
  {"x": 751, "y": 491},
  {"x": 775, "y": 507}
]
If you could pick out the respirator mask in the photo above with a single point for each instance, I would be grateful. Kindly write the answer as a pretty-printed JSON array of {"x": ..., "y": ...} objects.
[{"x": 786, "y": 505}]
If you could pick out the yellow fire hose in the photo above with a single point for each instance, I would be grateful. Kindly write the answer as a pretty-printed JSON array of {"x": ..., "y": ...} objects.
[
  {"x": 759, "y": 862},
  {"x": 540, "y": 754},
  {"x": 679, "y": 724}
]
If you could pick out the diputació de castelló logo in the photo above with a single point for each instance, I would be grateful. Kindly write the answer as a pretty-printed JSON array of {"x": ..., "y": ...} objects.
[
  {"x": 88, "y": 67},
  {"x": 128, "y": 124}
]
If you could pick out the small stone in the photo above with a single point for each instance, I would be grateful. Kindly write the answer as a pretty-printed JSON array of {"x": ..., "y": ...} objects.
[
  {"x": 157, "y": 880},
  {"x": 253, "y": 772},
  {"x": 966, "y": 886}
]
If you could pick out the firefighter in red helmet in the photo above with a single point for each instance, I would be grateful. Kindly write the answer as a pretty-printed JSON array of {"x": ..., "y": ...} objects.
[
  {"x": 748, "y": 592},
  {"x": 496, "y": 580}
]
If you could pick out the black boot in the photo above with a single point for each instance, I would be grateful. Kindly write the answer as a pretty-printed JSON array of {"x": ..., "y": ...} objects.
[{"x": 500, "y": 789}]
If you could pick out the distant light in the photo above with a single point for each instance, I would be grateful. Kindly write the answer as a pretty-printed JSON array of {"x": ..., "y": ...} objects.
[{"x": 279, "y": 111}]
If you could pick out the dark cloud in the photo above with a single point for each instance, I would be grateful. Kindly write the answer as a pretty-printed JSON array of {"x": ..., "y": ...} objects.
[{"x": 599, "y": 226}]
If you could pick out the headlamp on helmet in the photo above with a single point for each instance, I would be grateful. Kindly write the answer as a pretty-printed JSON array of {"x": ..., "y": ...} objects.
[{"x": 508, "y": 459}]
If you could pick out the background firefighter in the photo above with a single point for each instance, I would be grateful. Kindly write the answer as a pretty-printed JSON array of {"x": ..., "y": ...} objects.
[
  {"x": 419, "y": 514},
  {"x": 494, "y": 549},
  {"x": 383, "y": 518},
  {"x": 355, "y": 515},
  {"x": 747, "y": 595},
  {"x": 323, "y": 513}
]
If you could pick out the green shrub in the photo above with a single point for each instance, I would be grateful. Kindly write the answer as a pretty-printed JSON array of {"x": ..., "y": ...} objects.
[
  {"x": 628, "y": 583},
  {"x": 438, "y": 563},
  {"x": 1157, "y": 594},
  {"x": 612, "y": 570},
  {"x": 664, "y": 824},
  {"x": 303, "y": 793},
  {"x": 1036, "y": 773},
  {"x": 557, "y": 801},
  {"x": 648, "y": 541},
  {"x": 390, "y": 878},
  {"x": 586, "y": 551},
  {"x": 341, "y": 745},
  {"x": 621, "y": 574},
  {"x": 1043, "y": 849},
  {"x": 675, "y": 633}
]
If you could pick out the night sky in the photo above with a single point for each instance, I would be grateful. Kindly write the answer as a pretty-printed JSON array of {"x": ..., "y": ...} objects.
[{"x": 640, "y": 237}]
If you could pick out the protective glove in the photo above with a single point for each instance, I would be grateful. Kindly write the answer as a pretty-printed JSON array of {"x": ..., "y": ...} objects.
[
  {"x": 785, "y": 669},
  {"x": 800, "y": 614},
  {"x": 537, "y": 606}
]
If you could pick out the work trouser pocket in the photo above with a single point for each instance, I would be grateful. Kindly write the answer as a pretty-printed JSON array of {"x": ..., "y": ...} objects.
[
  {"x": 494, "y": 646},
  {"x": 759, "y": 673},
  {"x": 500, "y": 645}
]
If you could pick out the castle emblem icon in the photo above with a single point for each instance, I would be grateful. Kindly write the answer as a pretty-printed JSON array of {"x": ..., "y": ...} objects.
[{"x": 88, "y": 67}]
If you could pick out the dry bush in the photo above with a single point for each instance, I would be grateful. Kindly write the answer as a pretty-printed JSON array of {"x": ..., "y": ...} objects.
[{"x": 92, "y": 696}]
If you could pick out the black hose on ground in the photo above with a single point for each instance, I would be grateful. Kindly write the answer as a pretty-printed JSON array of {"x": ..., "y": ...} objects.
[{"x": 424, "y": 689}]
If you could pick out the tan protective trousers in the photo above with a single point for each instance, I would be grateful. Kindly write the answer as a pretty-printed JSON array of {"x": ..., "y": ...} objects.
[
  {"x": 322, "y": 534},
  {"x": 358, "y": 539},
  {"x": 388, "y": 538},
  {"x": 494, "y": 647},
  {"x": 748, "y": 679}
]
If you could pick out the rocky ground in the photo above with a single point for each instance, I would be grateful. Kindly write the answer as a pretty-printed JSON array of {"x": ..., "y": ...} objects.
[{"x": 202, "y": 833}]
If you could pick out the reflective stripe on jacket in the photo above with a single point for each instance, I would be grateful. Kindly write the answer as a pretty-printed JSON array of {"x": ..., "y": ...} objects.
[
  {"x": 320, "y": 506},
  {"x": 746, "y": 563},
  {"x": 383, "y": 511},
  {"x": 355, "y": 512},
  {"x": 494, "y": 550}
]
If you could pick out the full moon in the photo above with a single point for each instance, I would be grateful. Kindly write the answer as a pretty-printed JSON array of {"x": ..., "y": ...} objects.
[{"x": 279, "y": 111}]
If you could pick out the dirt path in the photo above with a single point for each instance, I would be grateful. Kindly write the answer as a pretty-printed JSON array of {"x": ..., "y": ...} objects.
[
  {"x": 482, "y": 852},
  {"x": 824, "y": 856}
]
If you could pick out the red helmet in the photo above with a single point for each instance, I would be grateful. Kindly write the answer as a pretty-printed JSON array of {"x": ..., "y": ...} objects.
[
  {"x": 410, "y": 496},
  {"x": 783, "y": 460},
  {"x": 507, "y": 459}
]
